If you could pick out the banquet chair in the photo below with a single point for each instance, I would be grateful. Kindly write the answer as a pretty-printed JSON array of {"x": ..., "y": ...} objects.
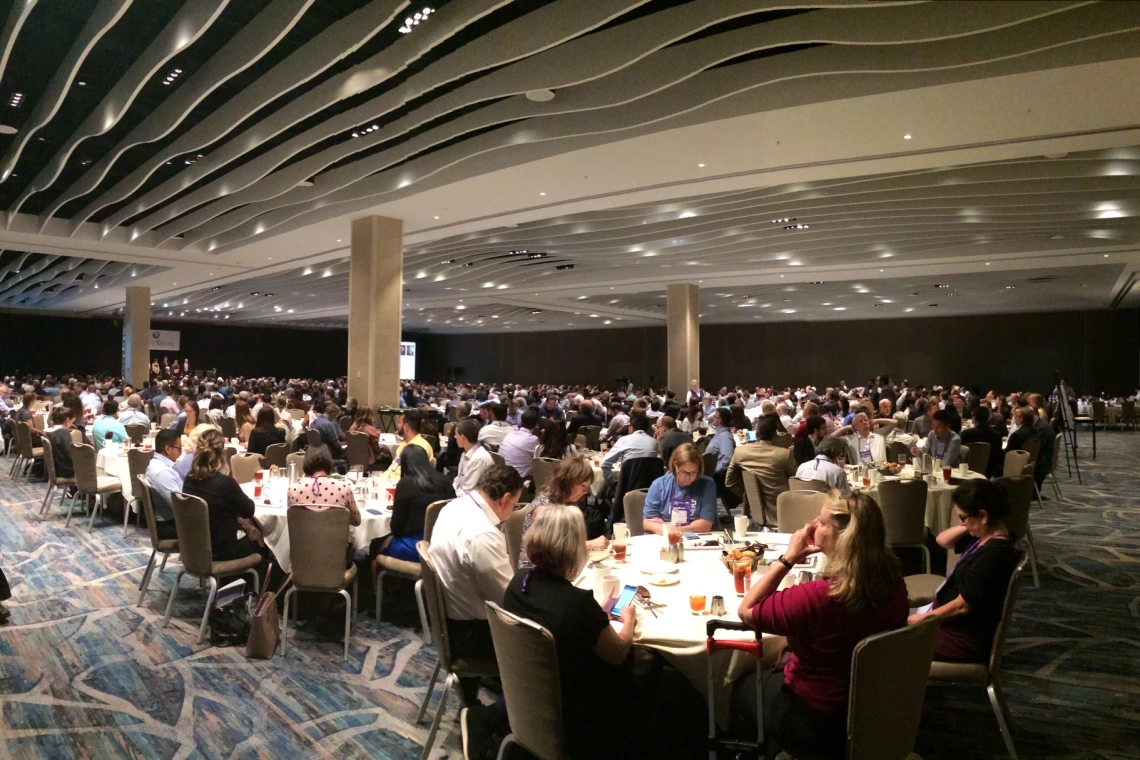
[
  {"x": 166, "y": 547},
  {"x": 513, "y": 531},
  {"x": 708, "y": 458},
  {"x": 895, "y": 448},
  {"x": 782, "y": 440},
  {"x": 229, "y": 428},
  {"x": 979, "y": 459},
  {"x": 1127, "y": 414},
  {"x": 580, "y": 441},
  {"x": 633, "y": 506},
  {"x": 903, "y": 504},
  {"x": 433, "y": 440},
  {"x": 313, "y": 437},
  {"x": 447, "y": 428},
  {"x": 497, "y": 458},
  {"x": 921, "y": 589},
  {"x": 295, "y": 414},
  {"x": 168, "y": 418},
  {"x": 299, "y": 458},
  {"x": 1019, "y": 491},
  {"x": 431, "y": 515},
  {"x": 757, "y": 505},
  {"x": 1015, "y": 462},
  {"x": 1100, "y": 414},
  {"x": 26, "y": 454},
  {"x": 321, "y": 571},
  {"x": 987, "y": 674},
  {"x": 639, "y": 472},
  {"x": 77, "y": 436},
  {"x": 455, "y": 668},
  {"x": 806, "y": 484},
  {"x": 541, "y": 469},
  {"x": 702, "y": 443},
  {"x": 1033, "y": 447},
  {"x": 593, "y": 436},
  {"x": 963, "y": 453},
  {"x": 358, "y": 450},
  {"x": 244, "y": 467},
  {"x": 345, "y": 422},
  {"x": 137, "y": 462},
  {"x": 796, "y": 508},
  {"x": 53, "y": 481},
  {"x": 409, "y": 570},
  {"x": 1058, "y": 442},
  {"x": 528, "y": 667},
  {"x": 192, "y": 521},
  {"x": 275, "y": 454},
  {"x": 89, "y": 483},
  {"x": 137, "y": 433}
]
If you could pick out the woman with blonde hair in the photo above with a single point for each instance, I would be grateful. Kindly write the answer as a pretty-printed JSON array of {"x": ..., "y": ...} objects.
[
  {"x": 243, "y": 418},
  {"x": 570, "y": 481},
  {"x": 860, "y": 594},
  {"x": 229, "y": 508}
]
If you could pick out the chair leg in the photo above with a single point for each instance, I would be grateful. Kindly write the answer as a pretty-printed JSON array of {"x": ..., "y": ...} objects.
[
  {"x": 1002, "y": 715},
  {"x": 508, "y": 740},
  {"x": 419, "y": 594},
  {"x": 1056, "y": 485},
  {"x": 1037, "y": 492},
  {"x": 355, "y": 597},
  {"x": 1032, "y": 556},
  {"x": 256, "y": 581},
  {"x": 430, "y": 689},
  {"x": 173, "y": 594},
  {"x": 162, "y": 567},
  {"x": 451, "y": 679},
  {"x": 47, "y": 499},
  {"x": 925, "y": 558},
  {"x": 285, "y": 629},
  {"x": 126, "y": 516},
  {"x": 379, "y": 592},
  {"x": 146, "y": 576},
  {"x": 99, "y": 499},
  {"x": 71, "y": 511},
  {"x": 347, "y": 619},
  {"x": 209, "y": 605}
]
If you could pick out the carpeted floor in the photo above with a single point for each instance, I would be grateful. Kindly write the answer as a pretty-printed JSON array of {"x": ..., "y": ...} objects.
[{"x": 85, "y": 673}]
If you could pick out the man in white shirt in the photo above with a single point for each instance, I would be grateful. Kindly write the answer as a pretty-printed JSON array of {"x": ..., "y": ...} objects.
[
  {"x": 637, "y": 444},
  {"x": 493, "y": 433},
  {"x": 164, "y": 480},
  {"x": 134, "y": 414},
  {"x": 784, "y": 410},
  {"x": 517, "y": 448},
  {"x": 91, "y": 400},
  {"x": 864, "y": 446},
  {"x": 694, "y": 393},
  {"x": 619, "y": 421},
  {"x": 469, "y": 552},
  {"x": 823, "y": 466},
  {"x": 475, "y": 459}
]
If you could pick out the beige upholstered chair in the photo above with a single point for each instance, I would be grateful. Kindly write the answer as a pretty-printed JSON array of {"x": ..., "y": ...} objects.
[
  {"x": 313, "y": 437},
  {"x": 541, "y": 470},
  {"x": 497, "y": 458},
  {"x": 1020, "y": 493},
  {"x": 409, "y": 570},
  {"x": 165, "y": 547},
  {"x": 455, "y": 668},
  {"x": 987, "y": 674},
  {"x": 1015, "y": 462},
  {"x": 513, "y": 532},
  {"x": 26, "y": 454},
  {"x": 358, "y": 450},
  {"x": 528, "y": 667},
  {"x": 275, "y": 454},
  {"x": 757, "y": 506},
  {"x": 192, "y": 521},
  {"x": 709, "y": 459},
  {"x": 53, "y": 481},
  {"x": 77, "y": 436},
  {"x": 89, "y": 483},
  {"x": 593, "y": 436},
  {"x": 431, "y": 515},
  {"x": 633, "y": 507},
  {"x": 805, "y": 484},
  {"x": 796, "y": 508},
  {"x": 903, "y": 503},
  {"x": 783, "y": 440},
  {"x": 979, "y": 459},
  {"x": 894, "y": 449},
  {"x": 580, "y": 441},
  {"x": 137, "y": 433},
  {"x": 320, "y": 566},
  {"x": 295, "y": 414},
  {"x": 137, "y": 461},
  {"x": 887, "y": 692},
  {"x": 299, "y": 458},
  {"x": 164, "y": 423},
  {"x": 244, "y": 466},
  {"x": 963, "y": 453}
]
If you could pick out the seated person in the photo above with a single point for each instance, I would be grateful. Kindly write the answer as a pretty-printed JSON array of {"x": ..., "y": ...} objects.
[
  {"x": 669, "y": 437},
  {"x": 408, "y": 429},
  {"x": 164, "y": 480},
  {"x": 553, "y": 443},
  {"x": 981, "y": 432},
  {"x": 1031, "y": 427},
  {"x": 59, "y": 434},
  {"x": 316, "y": 488},
  {"x": 568, "y": 484},
  {"x": 518, "y": 447},
  {"x": 419, "y": 486},
  {"x": 326, "y": 424},
  {"x": 497, "y": 427},
  {"x": 804, "y": 449},
  {"x": 475, "y": 458},
  {"x": 865, "y": 446},
  {"x": 637, "y": 444},
  {"x": 229, "y": 507},
  {"x": 265, "y": 433},
  {"x": 363, "y": 422},
  {"x": 862, "y": 593},
  {"x": 134, "y": 414},
  {"x": 590, "y": 651},
  {"x": 970, "y": 602},
  {"x": 824, "y": 467},
  {"x": 772, "y": 465},
  {"x": 684, "y": 487},
  {"x": 943, "y": 443},
  {"x": 108, "y": 427}
]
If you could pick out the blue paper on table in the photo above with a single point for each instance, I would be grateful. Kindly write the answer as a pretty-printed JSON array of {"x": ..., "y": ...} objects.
[{"x": 376, "y": 512}]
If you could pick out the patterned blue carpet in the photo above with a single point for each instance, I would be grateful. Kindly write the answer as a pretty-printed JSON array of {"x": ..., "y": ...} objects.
[{"x": 84, "y": 673}]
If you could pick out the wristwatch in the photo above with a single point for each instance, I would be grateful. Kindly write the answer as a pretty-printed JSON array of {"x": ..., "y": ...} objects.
[{"x": 784, "y": 561}]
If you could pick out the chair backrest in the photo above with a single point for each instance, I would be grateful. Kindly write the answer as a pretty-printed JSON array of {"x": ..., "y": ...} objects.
[
  {"x": 903, "y": 504},
  {"x": 1015, "y": 462},
  {"x": 497, "y": 458},
  {"x": 345, "y": 422},
  {"x": 448, "y": 427},
  {"x": 436, "y": 604},
  {"x": 148, "y": 509},
  {"x": 541, "y": 469},
  {"x": 709, "y": 458},
  {"x": 593, "y": 436},
  {"x": 313, "y": 437},
  {"x": 83, "y": 458},
  {"x": 229, "y": 427},
  {"x": 433, "y": 441},
  {"x": 276, "y": 453},
  {"x": 431, "y": 514},
  {"x": 889, "y": 673},
  {"x": 808, "y": 484},
  {"x": 76, "y": 435},
  {"x": 358, "y": 449},
  {"x": 243, "y": 467},
  {"x": 580, "y": 441},
  {"x": 528, "y": 668},
  {"x": 49, "y": 461},
  {"x": 298, "y": 457},
  {"x": 24, "y": 439},
  {"x": 192, "y": 521},
  {"x": 1019, "y": 490},
  {"x": 794, "y": 509},
  {"x": 997, "y": 649},
  {"x": 166, "y": 420},
  {"x": 979, "y": 459},
  {"x": 323, "y": 534},
  {"x": 702, "y": 443},
  {"x": 1098, "y": 410},
  {"x": 782, "y": 440},
  {"x": 754, "y": 494},
  {"x": 295, "y": 414},
  {"x": 963, "y": 453},
  {"x": 633, "y": 507},
  {"x": 1127, "y": 412},
  {"x": 137, "y": 432},
  {"x": 1033, "y": 446},
  {"x": 137, "y": 462},
  {"x": 894, "y": 449},
  {"x": 513, "y": 531}
]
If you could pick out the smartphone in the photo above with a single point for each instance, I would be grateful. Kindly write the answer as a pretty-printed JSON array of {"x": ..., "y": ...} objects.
[
  {"x": 690, "y": 536},
  {"x": 750, "y": 435},
  {"x": 624, "y": 598}
]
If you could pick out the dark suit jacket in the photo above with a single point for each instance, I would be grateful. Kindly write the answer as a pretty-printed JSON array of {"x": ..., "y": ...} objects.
[
  {"x": 670, "y": 441},
  {"x": 803, "y": 450}
]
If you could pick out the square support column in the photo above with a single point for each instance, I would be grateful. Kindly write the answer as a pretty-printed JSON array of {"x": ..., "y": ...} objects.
[
  {"x": 375, "y": 300},
  {"x": 684, "y": 337},
  {"x": 136, "y": 337}
]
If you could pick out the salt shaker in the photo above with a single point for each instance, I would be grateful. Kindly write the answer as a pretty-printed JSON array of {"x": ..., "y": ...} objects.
[{"x": 717, "y": 607}]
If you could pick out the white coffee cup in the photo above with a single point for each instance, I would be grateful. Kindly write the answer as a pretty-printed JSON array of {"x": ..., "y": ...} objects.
[
  {"x": 740, "y": 524},
  {"x": 621, "y": 531},
  {"x": 963, "y": 469},
  {"x": 610, "y": 586}
]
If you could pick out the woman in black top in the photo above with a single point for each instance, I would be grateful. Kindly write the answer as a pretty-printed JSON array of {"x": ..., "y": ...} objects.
[
  {"x": 265, "y": 432},
  {"x": 419, "y": 486},
  {"x": 230, "y": 508},
  {"x": 970, "y": 601}
]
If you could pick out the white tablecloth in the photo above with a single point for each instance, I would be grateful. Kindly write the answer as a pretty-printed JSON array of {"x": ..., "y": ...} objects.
[
  {"x": 599, "y": 480},
  {"x": 390, "y": 442},
  {"x": 113, "y": 462},
  {"x": 270, "y": 510},
  {"x": 939, "y": 496}
]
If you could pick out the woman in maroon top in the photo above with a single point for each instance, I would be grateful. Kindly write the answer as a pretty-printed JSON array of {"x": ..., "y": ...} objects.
[{"x": 861, "y": 593}]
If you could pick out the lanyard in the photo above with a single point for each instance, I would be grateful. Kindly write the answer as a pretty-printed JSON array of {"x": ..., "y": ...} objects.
[
  {"x": 316, "y": 487},
  {"x": 818, "y": 459},
  {"x": 939, "y": 454}
]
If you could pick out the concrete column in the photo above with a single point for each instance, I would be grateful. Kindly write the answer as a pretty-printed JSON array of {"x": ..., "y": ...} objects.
[
  {"x": 136, "y": 337},
  {"x": 684, "y": 337},
  {"x": 375, "y": 298}
]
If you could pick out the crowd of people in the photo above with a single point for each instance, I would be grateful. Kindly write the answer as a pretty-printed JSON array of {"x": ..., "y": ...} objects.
[{"x": 476, "y": 445}]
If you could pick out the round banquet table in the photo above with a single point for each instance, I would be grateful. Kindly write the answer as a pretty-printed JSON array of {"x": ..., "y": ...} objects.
[
  {"x": 270, "y": 510},
  {"x": 595, "y": 459},
  {"x": 675, "y": 632},
  {"x": 939, "y": 496},
  {"x": 391, "y": 442}
]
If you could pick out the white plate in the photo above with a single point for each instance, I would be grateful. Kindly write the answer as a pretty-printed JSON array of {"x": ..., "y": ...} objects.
[
  {"x": 660, "y": 568},
  {"x": 664, "y": 580}
]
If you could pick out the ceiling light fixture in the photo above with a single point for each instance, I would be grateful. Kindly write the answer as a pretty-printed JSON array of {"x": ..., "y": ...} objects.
[
  {"x": 906, "y": 137},
  {"x": 796, "y": 227},
  {"x": 784, "y": 220},
  {"x": 540, "y": 96},
  {"x": 16, "y": 98},
  {"x": 172, "y": 76},
  {"x": 413, "y": 21},
  {"x": 700, "y": 166}
]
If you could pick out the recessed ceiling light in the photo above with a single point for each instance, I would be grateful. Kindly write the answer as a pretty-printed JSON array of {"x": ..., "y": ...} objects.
[
  {"x": 435, "y": 217},
  {"x": 1010, "y": 287},
  {"x": 840, "y": 308},
  {"x": 540, "y": 96},
  {"x": 1106, "y": 255},
  {"x": 542, "y": 193},
  {"x": 1056, "y": 237},
  {"x": 906, "y": 137},
  {"x": 987, "y": 263},
  {"x": 81, "y": 84},
  {"x": 700, "y": 166}
]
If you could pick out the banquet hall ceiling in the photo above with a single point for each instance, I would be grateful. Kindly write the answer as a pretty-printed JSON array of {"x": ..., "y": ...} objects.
[{"x": 216, "y": 149}]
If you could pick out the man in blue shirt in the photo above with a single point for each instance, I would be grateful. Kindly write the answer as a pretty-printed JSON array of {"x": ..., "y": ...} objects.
[
  {"x": 108, "y": 424},
  {"x": 723, "y": 445},
  {"x": 329, "y": 429},
  {"x": 637, "y": 444},
  {"x": 164, "y": 480},
  {"x": 682, "y": 488}
]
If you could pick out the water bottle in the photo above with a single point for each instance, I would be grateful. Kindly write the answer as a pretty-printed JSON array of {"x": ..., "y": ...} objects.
[{"x": 292, "y": 469}]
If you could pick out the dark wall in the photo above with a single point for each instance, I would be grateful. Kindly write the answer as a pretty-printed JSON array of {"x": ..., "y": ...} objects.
[{"x": 1095, "y": 350}]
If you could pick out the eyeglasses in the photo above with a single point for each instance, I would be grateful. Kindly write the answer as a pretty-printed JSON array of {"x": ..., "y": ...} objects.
[{"x": 688, "y": 473}]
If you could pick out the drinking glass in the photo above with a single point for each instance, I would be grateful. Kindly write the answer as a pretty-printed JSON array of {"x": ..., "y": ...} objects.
[
  {"x": 621, "y": 533},
  {"x": 697, "y": 604},
  {"x": 257, "y": 476},
  {"x": 741, "y": 571},
  {"x": 946, "y": 472},
  {"x": 902, "y": 460}
]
